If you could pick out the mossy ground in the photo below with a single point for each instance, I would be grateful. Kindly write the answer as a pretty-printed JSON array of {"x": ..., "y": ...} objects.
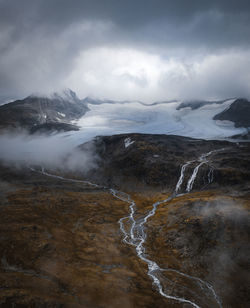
[{"x": 61, "y": 246}]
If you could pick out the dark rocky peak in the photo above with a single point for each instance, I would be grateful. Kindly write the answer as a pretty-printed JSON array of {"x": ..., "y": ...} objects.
[
  {"x": 67, "y": 95},
  {"x": 36, "y": 110},
  {"x": 238, "y": 112}
]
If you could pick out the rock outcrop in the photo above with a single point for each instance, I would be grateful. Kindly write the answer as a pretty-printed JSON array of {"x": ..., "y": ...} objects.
[{"x": 143, "y": 161}]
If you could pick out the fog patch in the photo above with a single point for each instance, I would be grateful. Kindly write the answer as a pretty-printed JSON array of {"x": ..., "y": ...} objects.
[
  {"x": 226, "y": 208},
  {"x": 226, "y": 224},
  {"x": 54, "y": 152}
]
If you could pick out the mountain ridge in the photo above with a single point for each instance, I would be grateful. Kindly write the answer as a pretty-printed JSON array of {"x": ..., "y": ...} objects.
[
  {"x": 61, "y": 111},
  {"x": 36, "y": 113}
]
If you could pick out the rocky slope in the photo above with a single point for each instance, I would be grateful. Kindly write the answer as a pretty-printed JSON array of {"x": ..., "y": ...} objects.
[
  {"x": 238, "y": 112},
  {"x": 139, "y": 161},
  {"x": 39, "y": 114}
]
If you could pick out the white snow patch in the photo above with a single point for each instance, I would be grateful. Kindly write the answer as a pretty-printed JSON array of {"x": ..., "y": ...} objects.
[{"x": 128, "y": 142}]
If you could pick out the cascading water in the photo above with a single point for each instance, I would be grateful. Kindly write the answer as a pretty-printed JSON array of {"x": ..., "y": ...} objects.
[
  {"x": 210, "y": 175},
  {"x": 136, "y": 235},
  {"x": 193, "y": 176},
  {"x": 181, "y": 178},
  {"x": 201, "y": 161}
]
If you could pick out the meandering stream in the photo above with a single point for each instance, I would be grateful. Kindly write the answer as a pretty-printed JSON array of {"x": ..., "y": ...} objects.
[{"x": 134, "y": 230}]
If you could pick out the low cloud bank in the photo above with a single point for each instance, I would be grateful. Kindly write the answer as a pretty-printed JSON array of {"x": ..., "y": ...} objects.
[
  {"x": 48, "y": 151},
  {"x": 228, "y": 222}
]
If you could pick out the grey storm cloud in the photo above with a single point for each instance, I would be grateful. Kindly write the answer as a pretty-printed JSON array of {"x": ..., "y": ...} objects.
[
  {"x": 48, "y": 44},
  {"x": 216, "y": 22}
]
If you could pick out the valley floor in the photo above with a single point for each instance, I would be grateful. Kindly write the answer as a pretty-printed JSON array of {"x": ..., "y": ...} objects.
[{"x": 61, "y": 245}]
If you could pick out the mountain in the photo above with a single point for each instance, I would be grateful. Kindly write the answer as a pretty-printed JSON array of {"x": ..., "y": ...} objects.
[
  {"x": 66, "y": 112},
  {"x": 238, "y": 112},
  {"x": 38, "y": 113},
  {"x": 130, "y": 210}
]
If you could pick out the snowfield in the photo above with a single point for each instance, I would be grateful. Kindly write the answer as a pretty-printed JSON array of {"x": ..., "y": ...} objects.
[
  {"x": 162, "y": 118},
  {"x": 116, "y": 118}
]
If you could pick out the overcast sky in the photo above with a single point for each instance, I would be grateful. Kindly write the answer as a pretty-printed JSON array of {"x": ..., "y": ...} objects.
[{"x": 135, "y": 49}]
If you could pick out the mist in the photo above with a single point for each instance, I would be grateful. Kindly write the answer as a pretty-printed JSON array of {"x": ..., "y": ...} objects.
[
  {"x": 228, "y": 222},
  {"x": 54, "y": 152}
]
